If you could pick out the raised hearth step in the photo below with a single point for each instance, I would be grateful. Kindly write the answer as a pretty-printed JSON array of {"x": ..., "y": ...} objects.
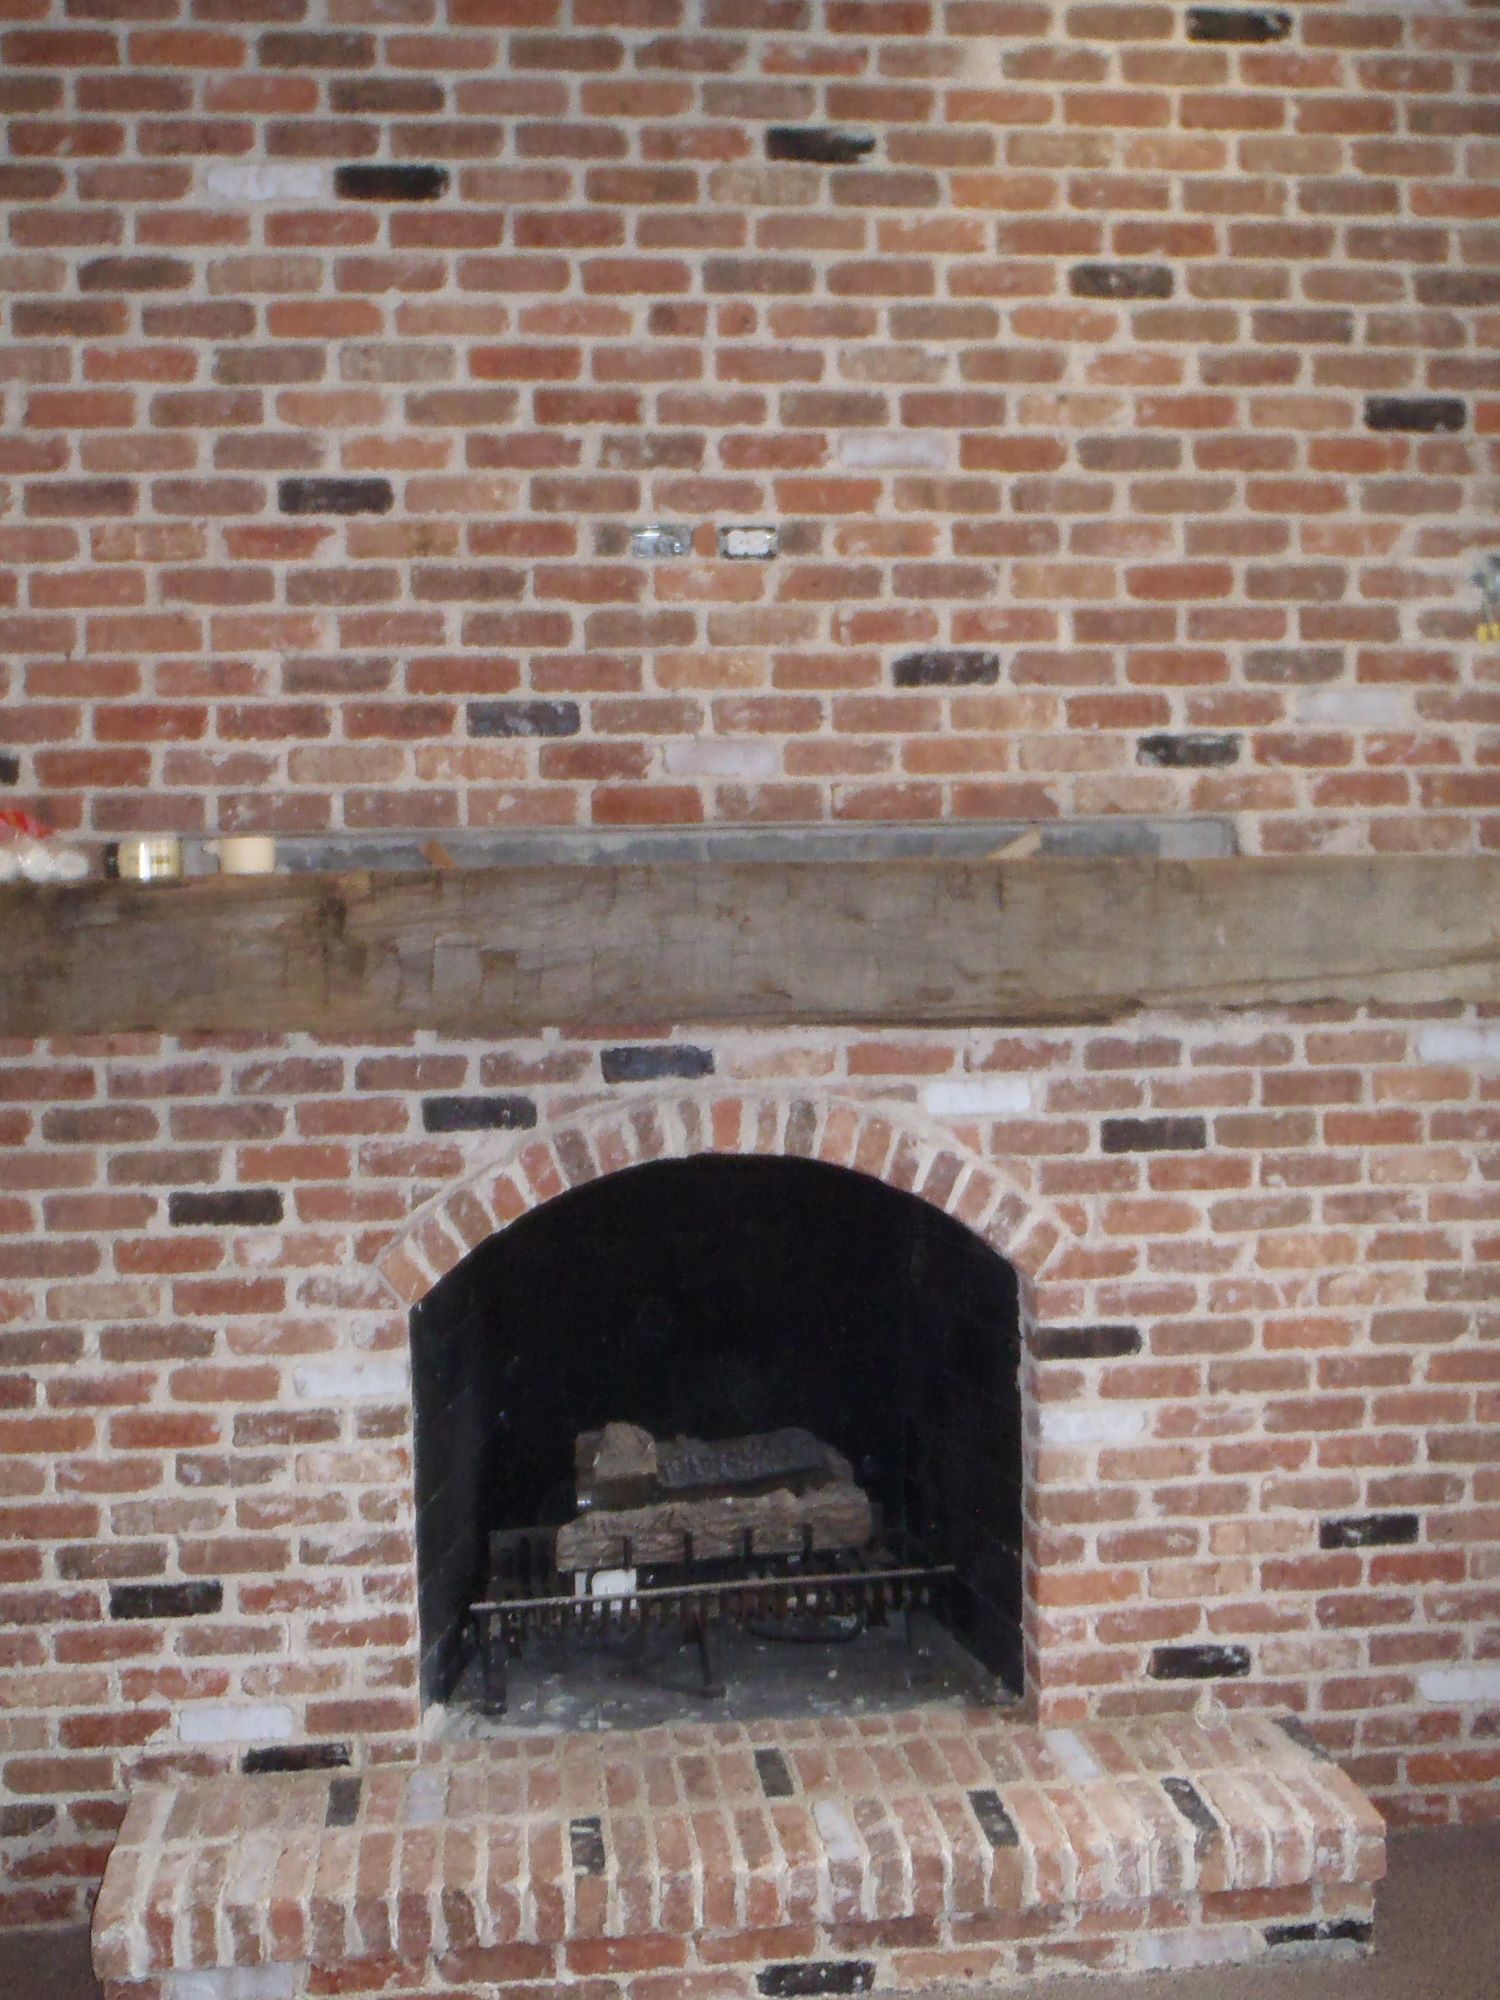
[{"x": 818, "y": 1855}]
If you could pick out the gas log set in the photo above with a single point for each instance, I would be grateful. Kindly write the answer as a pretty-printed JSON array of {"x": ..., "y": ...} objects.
[{"x": 767, "y": 1531}]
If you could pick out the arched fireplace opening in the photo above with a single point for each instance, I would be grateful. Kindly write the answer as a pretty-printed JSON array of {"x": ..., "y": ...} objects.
[{"x": 719, "y": 1298}]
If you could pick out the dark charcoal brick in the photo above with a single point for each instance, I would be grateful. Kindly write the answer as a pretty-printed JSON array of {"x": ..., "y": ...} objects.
[
  {"x": 1084, "y": 1343},
  {"x": 10, "y": 769},
  {"x": 586, "y": 1842},
  {"x": 1448, "y": 288},
  {"x": 1153, "y": 1135},
  {"x": 1415, "y": 413},
  {"x": 1121, "y": 281},
  {"x": 774, "y": 1774},
  {"x": 1199, "y": 1663},
  {"x": 1194, "y": 1808},
  {"x": 335, "y": 496},
  {"x": 294, "y": 1757},
  {"x": 1238, "y": 24},
  {"x": 135, "y": 274},
  {"x": 995, "y": 1823},
  {"x": 246, "y": 1208},
  {"x": 1302, "y": 1736},
  {"x": 524, "y": 718},
  {"x": 644, "y": 1065},
  {"x": 302, "y": 49},
  {"x": 478, "y": 1114},
  {"x": 1331, "y": 1930},
  {"x": 1367, "y": 1531},
  {"x": 816, "y": 1975},
  {"x": 1184, "y": 753},
  {"x": 819, "y": 143},
  {"x": 166, "y": 1600},
  {"x": 961, "y": 668},
  {"x": 343, "y": 1802},
  {"x": 390, "y": 183}
]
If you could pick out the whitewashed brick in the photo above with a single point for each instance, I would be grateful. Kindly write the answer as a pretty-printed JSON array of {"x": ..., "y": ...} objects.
[
  {"x": 837, "y": 1831},
  {"x": 1459, "y": 1044},
  {"x": 1166, "y": 1951},
  {"x": 876, "y": 451},
  {"x": 426, "y": 1794},
  {"x": 1093, "y": 1423},
  {"x": 351, "y": 1381},
  {"x": 1354, "y": 708},
  {"x": 234, "y": 1982},
  {"x": 1073, "y": 1754},
  {"x": 710, "y": 757},
  {"x": 1460, "y": 1684},
  {"x": 977, "y": 1096},
  {"x": 235, "y": 183},
  {"x": 236, "y": 1722}
]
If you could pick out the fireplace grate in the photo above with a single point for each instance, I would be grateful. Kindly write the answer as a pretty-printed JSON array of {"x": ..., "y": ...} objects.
[{"x": 814, "y": 1593}]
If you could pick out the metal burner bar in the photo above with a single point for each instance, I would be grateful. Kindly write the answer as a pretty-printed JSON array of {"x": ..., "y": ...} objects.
[{"x": 770, "y": 1584}]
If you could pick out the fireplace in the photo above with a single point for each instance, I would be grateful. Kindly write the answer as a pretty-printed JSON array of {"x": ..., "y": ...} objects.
[
  {"x": 721, "y": 1298},
  {"x": 713, "y": 1260}
]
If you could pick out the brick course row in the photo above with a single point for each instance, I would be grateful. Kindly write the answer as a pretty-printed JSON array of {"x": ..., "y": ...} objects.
[{"x": 1141, "y": 351}]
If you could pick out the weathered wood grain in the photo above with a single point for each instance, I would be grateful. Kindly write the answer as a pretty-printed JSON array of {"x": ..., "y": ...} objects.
[
  {"x": 505, "y": 950},
  {"x": 837, "y": 1516}
]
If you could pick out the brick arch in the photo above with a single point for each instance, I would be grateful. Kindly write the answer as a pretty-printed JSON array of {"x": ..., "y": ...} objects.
[{"x": 891, "y": 1143}]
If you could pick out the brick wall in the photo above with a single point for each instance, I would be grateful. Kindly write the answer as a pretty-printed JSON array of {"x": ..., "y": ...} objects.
[
  {"x": 1120, "y": 379},
  {"x": 1123, "y": 407},
  {"x": 1263, "y": 1374}
]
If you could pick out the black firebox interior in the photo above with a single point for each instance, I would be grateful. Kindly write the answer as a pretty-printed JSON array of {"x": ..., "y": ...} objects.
[{"x": 714, "y": 1297}]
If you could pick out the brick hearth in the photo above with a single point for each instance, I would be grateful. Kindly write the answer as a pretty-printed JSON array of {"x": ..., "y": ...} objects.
[{"x": 784, "y": 1858}]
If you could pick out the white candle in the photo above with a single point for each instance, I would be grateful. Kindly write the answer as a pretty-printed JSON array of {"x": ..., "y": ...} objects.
[{"x": 246, "y": 854}]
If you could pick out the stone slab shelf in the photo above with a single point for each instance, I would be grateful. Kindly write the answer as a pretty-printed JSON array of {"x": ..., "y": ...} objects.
[{"x": 779, "y": 1859}]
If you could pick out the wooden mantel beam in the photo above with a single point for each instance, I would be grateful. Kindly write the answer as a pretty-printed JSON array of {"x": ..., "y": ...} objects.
[{"x": 508, "y": 950}]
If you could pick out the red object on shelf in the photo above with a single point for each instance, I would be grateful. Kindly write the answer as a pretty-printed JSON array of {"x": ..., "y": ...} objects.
[{"x": 23, "y": 824}]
